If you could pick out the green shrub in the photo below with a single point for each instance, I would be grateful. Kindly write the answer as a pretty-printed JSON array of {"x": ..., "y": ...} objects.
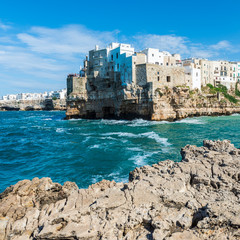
[
  {"x": 223, "y": 89},
  {"x": 230, "y": 98},
  {"x": 237, "y": 92}
]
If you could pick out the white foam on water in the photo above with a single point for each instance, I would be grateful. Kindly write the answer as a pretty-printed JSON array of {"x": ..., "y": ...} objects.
[
  {"x": 140, "y": 159},
  {"x": 135, "y": 149},
  {"x": 121, "y": 134},
  {"x": 113, "y": 122},
  {"x": 86, "y": 139},
  {"x": 108, "y": 138},
  {"x": 75, "y": 119},
  {"x": 145, "y": 123},
  {"x": 96, "y": 146},
  {"x": 47, "y": 119},
  {"x": 60, "y": 130},
  {"x": 155, "y": 136},
  {"x": 117, "y": 176},
  {"x": 235, "y": 114},
  {"x": 150, "y": 135},
  {"x": 191, "y": 121}
]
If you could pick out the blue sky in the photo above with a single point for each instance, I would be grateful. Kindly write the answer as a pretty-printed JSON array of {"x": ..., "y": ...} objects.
[{"x": 42, "y": 41}]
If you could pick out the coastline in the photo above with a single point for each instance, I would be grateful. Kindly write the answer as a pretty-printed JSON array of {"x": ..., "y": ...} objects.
[
  {"x": 33, "y": 105},
  {"x": 182, "y": 200}
]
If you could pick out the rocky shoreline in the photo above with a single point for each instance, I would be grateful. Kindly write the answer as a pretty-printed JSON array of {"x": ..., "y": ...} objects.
[
  {"x": 197, "y": 198},
  {"x": 33, "y": 105}
]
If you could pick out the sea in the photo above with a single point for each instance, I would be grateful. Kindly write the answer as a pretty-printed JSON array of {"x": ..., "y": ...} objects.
[{"x": 43, "y": 144}]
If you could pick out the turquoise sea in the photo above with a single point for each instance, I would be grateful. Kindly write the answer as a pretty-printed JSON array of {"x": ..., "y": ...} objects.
[{"x": 42, "y": 144}]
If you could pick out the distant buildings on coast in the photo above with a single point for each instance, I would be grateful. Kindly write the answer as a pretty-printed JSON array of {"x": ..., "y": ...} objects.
[{"x": 61, "y": 94}]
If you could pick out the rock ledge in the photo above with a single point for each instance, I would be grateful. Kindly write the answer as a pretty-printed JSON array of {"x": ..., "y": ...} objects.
[{"x": 197, "y": 198}]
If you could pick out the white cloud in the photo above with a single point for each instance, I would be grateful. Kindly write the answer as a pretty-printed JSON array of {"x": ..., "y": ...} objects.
[
  {"x": 171, "y": 43},
  {"x": 183, "y": 45},
  {"x": 226, "y": 45},
  {"x": 71, "y": 39},
  {"x": 4, "y": 26},
  {"x": 18, "y": 58}
]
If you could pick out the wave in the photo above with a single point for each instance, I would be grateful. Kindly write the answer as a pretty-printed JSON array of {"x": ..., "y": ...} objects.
[
  {"x": 113, "y": 122},
  {"x": 117, "y": 176},
  {"x": 96, "y": 146},
  {"x": 150, "y": 135},
  {"x": 135, "y": 149},
  {"x": 141, "y": 159},
  {"x": 86, "y": 139},
  {"x": 144, "y": 123},
  {"x": 132, "y": 123},
  {"x": 155, "y": 136},
  {"x": 191, "y": 121},
  {"x": 121, "y": 134},
  {"x": 60, "y": 130},
  {"x": 47, "y": 119}
]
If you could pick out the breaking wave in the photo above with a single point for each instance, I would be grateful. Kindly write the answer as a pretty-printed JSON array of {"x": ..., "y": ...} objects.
[{"x": 191, "y": 121}]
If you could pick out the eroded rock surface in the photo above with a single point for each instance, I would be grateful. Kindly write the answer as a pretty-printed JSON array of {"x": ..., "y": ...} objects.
[{"x": 197, "y": 198}]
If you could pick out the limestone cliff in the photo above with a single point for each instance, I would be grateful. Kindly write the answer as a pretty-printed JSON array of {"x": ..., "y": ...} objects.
[
  {"x": 197, "y": 198},
  {"x": 32, "y": 105},
  {"x": 162, "y": 104}
]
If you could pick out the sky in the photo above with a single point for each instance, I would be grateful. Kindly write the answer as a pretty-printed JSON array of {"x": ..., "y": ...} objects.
[{"x": 41, "y": 42}]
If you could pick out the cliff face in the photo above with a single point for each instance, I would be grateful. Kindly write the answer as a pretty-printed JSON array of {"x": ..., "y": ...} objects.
[
  {"x": 197, "y": 198},
  {"x": 161, "y": 104},
  {"x": 178, "y": 103},
  {"x": 30, "y": 105}
]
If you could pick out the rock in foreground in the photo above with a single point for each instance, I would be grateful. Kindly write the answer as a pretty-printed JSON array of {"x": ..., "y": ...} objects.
[{"x": 198, "y": 198}]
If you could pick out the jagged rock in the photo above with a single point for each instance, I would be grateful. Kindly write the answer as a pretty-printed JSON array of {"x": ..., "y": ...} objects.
[{"x": 197, "y": 198}]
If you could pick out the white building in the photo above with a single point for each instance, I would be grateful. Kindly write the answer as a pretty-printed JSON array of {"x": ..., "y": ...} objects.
[
  {"x": 238, "y": 71},
  {"x": 154, "y": 56},
  {"x": 194, "y": 74},
  {"x": 117, "y": 57}
]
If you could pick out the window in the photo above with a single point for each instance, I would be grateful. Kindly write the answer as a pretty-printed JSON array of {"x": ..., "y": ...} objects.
[
  {"x": 153, "y": 55},
  {"x": 196, "y": 74},
  {"x": 117, "y": 55},
  {"x": 167, "y": 63},
  {"x": 112, "y": 57},
  {"x": 118, "y": 66},
  {"x": 158, "y": 78},
  {"x": 168, "y": 79}
]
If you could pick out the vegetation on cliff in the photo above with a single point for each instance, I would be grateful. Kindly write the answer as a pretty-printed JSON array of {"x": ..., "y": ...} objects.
[{"x": 223, "y": 89}]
